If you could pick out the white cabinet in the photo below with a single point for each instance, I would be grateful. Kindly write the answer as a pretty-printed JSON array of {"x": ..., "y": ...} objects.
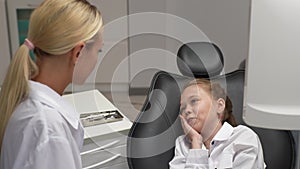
[
  {"x": 104, "y": 144},
  {"x": 18, "y": 19},
  {"x": 104, "y": 151}
]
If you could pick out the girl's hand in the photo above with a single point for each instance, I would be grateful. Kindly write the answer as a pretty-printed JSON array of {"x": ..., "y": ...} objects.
[{"x": 194, "y": 136}]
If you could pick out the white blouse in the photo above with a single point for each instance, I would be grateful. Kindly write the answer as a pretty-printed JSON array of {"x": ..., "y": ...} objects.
[
  {"x": 43, "y": 132},
  {"x": 232, "y": 147}
]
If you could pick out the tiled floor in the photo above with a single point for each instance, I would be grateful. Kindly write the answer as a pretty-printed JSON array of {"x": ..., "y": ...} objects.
[{"x": 130, "y": 106}]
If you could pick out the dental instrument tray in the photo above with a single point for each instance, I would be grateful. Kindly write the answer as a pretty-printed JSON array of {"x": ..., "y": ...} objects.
[{"x": 95, "y": 118}]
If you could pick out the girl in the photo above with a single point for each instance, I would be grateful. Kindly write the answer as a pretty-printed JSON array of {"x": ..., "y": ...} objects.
[{"x": 212, "y": 138}]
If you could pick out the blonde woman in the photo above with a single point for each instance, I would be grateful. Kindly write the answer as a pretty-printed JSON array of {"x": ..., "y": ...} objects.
[
  {"x": 38, "y": 129},
  {"x": 213, "y": 139}
]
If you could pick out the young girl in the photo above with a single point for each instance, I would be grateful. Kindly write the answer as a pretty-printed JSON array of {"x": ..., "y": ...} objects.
[
  {"x": 212, "y": 138},
  {"x": 38, "y": 130}
]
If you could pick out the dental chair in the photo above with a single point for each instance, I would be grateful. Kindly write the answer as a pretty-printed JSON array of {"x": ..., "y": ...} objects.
[{"x": 151, "y": 139}]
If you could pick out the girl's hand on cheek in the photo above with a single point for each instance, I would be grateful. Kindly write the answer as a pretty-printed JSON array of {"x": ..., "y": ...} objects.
[{"x": 193, "y": 135}]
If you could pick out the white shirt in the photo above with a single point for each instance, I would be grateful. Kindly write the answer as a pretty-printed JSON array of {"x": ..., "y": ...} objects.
[
  {"x": 43, "y": 132},
  {"x": 232, "y": 147}
]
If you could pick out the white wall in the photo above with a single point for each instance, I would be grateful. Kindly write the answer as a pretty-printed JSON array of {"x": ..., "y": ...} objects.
[
  {"x": 225, "y": 23},
  {"x": 141, "y": 60},
  {"x": 4, "y": 43}
]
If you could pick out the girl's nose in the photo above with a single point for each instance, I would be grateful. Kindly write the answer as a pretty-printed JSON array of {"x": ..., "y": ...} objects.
[{"x": 187, "y": 111}]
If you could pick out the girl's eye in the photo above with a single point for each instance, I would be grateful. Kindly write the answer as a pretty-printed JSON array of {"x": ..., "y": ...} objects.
[{"x": 193, "y": 101}]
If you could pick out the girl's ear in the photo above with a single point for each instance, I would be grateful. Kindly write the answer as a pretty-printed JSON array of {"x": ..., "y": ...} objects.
[
  {"x": 220, "y": 105},
  {"x": 76, "y": 51}
]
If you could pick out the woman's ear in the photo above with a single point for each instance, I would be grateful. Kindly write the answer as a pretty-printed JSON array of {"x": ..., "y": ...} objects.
[{"x": 76, "y": 51}]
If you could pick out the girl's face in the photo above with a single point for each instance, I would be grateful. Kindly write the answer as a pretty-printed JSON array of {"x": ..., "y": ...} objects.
[
  {"x": 88, "y": 58},
  {"x": 199, "y": 109}
]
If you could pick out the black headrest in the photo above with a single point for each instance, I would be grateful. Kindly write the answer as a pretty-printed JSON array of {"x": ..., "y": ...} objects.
[{"x": 200, "y": 59}]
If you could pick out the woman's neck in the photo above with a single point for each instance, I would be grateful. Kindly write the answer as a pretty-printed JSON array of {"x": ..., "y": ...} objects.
[
  {"x": 55, "y": 72},
  {"x": 58, "y": 87}
]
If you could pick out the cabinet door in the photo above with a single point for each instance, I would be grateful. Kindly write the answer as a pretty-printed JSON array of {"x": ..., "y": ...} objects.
[
  {"x": 123, "y": 165},
  {"x": 104, "y": 157},
  {"x": 18, "y": 19}
]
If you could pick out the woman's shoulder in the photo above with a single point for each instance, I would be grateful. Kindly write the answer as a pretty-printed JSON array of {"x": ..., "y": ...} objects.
[{"x": 34, "y": 114}]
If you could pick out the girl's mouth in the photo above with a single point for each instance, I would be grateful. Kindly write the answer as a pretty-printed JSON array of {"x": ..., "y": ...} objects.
[{"x": 191, "y": 121}]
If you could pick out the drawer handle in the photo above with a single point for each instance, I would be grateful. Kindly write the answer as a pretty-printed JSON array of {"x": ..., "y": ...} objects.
[
  {"x": 103, "y": 162},
  {"x": 100, "y": 148}
]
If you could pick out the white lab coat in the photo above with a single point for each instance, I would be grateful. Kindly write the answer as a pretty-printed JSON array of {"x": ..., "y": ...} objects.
[
  {"x": 44, "y": 132},
  {"x": 232, "y": 147}
]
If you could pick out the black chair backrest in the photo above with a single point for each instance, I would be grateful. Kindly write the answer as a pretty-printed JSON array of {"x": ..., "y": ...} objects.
[
  {"x": 151, "y": 139},
  {"x": 152, "y": 136}
]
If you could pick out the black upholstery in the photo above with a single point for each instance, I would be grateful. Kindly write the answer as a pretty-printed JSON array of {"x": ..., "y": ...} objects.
[
  {"x": 152, "y": 136},
  {"x": 151, "y": 140},
  {"x": 208, "y": 65}
]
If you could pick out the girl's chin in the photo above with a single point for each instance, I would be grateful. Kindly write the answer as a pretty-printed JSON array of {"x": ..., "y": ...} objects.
[{"x": 193, "y": 123}]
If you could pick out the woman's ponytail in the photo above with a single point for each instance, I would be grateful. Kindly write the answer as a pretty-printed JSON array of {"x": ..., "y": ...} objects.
[{"x": 15, "y": 85}]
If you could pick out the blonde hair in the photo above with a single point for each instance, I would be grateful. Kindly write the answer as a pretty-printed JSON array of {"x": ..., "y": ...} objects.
[
  {"x": 216, "y": 91},
  {"x": 55, "y": 27}
]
